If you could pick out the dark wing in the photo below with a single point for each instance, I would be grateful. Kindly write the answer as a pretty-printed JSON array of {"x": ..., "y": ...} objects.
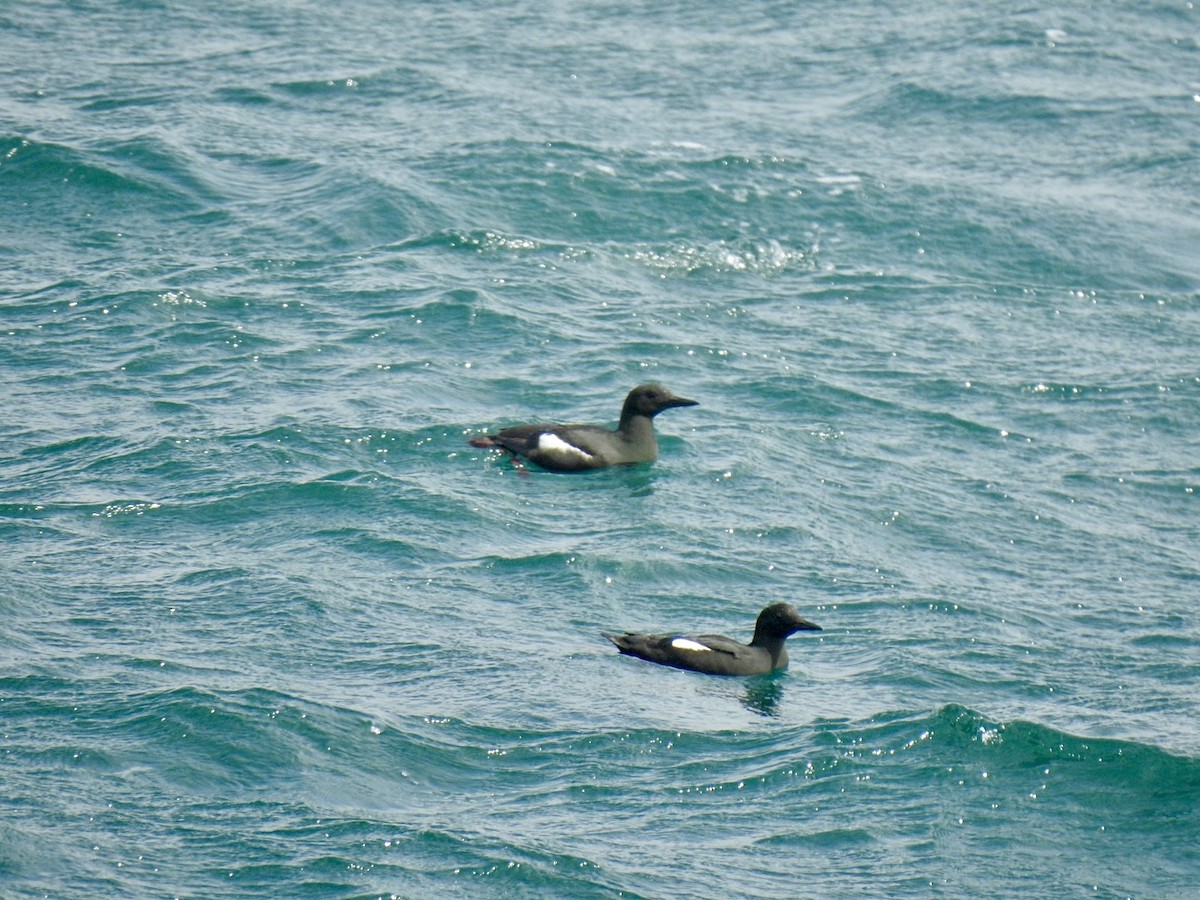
[
  {"x": 721, "y": 644},
  {"x": 554, "y": 447},
  {"x": 725, "y": 656},
  {"x": 520, "y": 439},
  {"x": 710, "y": 653}
]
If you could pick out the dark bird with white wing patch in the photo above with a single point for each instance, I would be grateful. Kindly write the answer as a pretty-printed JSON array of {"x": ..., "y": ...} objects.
[
  {"x": 578, "y": 448},
  {"x": 716, "y": 654}
]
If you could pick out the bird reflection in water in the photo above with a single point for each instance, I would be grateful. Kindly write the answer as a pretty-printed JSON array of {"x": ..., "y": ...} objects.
[{"x": 762, "y": 694}]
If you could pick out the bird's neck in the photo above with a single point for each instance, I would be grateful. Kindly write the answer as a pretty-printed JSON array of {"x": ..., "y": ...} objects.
[
  {"x": 636, "y": 427},
  {"x": 774, "y": 645}
]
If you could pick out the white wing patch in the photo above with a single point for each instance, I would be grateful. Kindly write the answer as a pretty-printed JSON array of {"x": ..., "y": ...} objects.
[
  {"x": 552, "y": 443},
  {"x": 682, "y": 643}
]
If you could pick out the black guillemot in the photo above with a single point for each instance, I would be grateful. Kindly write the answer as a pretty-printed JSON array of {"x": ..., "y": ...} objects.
[
  {"x": 577, "y": 448},
  {"x": 717, "y": 654}
]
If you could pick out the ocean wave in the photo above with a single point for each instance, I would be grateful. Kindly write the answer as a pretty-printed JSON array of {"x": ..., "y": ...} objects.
[
  {"x": 1016, "y": 744},
  {"x": 750, "y": 256},
  {"x": 141, "y": 169}
]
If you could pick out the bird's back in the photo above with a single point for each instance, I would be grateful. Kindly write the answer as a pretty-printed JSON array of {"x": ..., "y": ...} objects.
[{"x": 714, "y": 654}]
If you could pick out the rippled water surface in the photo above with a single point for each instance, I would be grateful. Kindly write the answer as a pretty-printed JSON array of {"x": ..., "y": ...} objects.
[{"x": 269, "y": 626}]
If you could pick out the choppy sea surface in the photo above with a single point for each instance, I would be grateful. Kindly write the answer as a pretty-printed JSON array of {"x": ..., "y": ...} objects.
[{"x": 270, "y": 627}]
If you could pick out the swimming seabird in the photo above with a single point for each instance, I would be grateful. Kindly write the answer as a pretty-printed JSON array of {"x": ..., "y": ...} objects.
[
  {"x": 717, "y": 654},
  {"x": 577, "y": 448}
]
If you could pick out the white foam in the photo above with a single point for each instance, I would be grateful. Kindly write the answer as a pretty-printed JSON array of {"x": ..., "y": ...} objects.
[
  {"x": 552, "y": 443},
  {"x": 682, "y": 643}
]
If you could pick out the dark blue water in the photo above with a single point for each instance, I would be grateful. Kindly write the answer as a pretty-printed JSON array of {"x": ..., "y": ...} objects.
[{"x": 270, "y": 627}]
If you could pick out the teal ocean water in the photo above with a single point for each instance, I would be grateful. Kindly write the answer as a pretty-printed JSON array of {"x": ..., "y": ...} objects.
[{"x": 269, "y": 627}]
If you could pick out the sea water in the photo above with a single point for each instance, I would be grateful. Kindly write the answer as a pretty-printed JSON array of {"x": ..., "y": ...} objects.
[{"x": 269, "y": 626}]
